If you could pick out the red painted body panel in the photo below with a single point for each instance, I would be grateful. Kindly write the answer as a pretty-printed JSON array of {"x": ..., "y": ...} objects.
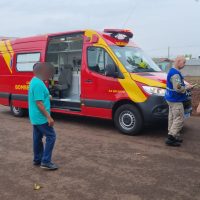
[
  {"x": 4, "y": 101},
  {"x": 97, "y": 112},
  {"x": 88, "y": 111},
  {"x": 20, "y": 104}
]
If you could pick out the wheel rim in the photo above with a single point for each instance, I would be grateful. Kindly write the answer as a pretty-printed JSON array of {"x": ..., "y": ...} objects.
[
  {"x": 16, "y": 110},
  {"x": 127, "y": 120}
]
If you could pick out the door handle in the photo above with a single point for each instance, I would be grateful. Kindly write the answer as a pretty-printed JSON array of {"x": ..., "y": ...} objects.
[{"x": 89, "y": 81}]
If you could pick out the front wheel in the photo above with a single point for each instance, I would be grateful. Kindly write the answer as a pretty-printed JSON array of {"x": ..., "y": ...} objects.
[
  {"x": 128, "y": 119},
  {"x": 16, "y": 111}
]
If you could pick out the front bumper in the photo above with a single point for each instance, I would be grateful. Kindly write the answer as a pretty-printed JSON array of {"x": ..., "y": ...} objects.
[{"x": 154, "y": 108}]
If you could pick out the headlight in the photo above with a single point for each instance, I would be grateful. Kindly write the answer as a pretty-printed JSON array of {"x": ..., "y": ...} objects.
[{"x": 154, "y": 90}]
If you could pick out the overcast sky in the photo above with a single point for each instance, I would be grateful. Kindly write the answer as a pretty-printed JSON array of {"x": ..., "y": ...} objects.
[{"x": 157, "y": 24}]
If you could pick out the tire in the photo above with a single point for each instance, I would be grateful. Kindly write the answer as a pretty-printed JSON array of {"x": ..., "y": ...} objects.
[
  {"x": 128, "y": 119},
  {"x": 16, "y": 111}
]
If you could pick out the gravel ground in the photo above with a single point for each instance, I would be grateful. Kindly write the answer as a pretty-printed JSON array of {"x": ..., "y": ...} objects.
[{"x": 98, "y": 163}]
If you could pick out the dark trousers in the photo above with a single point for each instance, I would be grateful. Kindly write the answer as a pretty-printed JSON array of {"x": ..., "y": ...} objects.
[{"x": 43, "y": 153}]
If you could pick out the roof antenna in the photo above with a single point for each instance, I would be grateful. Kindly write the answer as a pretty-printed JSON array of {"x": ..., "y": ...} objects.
[{"x": 130, "y": 14}]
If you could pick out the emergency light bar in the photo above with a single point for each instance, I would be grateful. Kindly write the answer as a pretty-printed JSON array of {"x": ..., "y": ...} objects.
[{"x": 115, "y": 32}]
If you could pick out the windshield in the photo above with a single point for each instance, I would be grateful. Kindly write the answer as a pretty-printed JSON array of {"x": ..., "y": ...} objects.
[{"x": 135, "y": 60}]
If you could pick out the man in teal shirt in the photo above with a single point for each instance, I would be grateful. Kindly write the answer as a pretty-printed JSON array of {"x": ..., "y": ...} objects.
[{"x": 40, "y": 117}]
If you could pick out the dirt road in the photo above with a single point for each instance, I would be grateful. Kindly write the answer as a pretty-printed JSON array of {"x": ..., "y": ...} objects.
[{"x": 98, "y": 163}]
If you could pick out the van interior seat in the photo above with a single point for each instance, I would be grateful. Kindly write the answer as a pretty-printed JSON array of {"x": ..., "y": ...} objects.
[{"x": 65, "y": 78}]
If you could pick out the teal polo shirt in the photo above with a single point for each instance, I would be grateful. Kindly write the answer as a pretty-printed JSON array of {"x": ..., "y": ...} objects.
[{"x": 38, "y": 92}]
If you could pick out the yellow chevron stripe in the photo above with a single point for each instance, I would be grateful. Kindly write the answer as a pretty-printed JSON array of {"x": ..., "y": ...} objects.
[
  {"x": 9, "y": 46},
  {"x": 132, "y": 89},
  {"x": 5, "y": 53}
]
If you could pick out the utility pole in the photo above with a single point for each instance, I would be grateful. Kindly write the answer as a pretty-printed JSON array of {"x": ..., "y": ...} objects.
[{"x": 168, "y": 52}]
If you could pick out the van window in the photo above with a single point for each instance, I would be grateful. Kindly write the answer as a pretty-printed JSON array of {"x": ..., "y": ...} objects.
[
  {"x": 98, "y": 59},
  {"x": 26, "y": 61},
  {"x": 135, "y": 60}
]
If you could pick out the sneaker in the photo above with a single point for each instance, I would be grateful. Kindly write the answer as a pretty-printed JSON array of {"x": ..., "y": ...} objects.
[
  {"x": 172, "y": 141},
  {"x": 49, "y": 166},
  {"x": 36, "y": 163},
  {"x": 179, "y": 140}
]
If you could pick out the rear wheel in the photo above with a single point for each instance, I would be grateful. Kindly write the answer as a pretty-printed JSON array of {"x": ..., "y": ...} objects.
[
  {"x": 17, "y": 111},
  {"x": 128, "y": 119}
]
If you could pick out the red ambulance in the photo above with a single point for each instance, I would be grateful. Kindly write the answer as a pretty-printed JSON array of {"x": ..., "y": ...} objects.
[{"x": 97, "y": 74}]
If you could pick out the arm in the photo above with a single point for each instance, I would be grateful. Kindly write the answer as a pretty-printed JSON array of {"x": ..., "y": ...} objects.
[
  {"x": 176, "y": 82},
  {"x": 45, "y": 113}
]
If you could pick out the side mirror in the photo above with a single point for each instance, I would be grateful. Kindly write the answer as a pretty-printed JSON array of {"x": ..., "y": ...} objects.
[{"x": 111, "y": 71}]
